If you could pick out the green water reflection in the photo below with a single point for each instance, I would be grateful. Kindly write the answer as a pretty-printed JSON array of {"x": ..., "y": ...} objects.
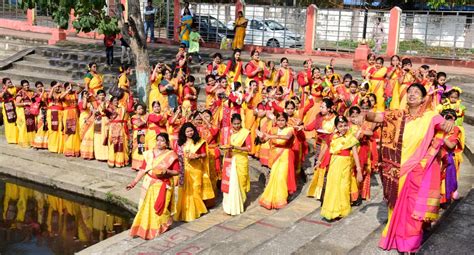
[{"x": 35, "y": 220}]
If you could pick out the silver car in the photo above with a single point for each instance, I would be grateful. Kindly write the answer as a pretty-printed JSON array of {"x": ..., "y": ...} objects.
[{"x": 269, "y": 33}]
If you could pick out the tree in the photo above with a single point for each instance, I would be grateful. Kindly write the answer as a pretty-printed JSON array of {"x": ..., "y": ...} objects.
[{"x": 90, "y": 15}]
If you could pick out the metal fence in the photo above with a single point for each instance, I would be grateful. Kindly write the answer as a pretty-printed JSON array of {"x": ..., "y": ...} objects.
[
  {"x": 267, "y": 25},
  {"x": 44, "y": 17},
  {"x": 447, "y": 34},
  {"x": 11, "y": 9},
  {"x": 341, "y": 30}
]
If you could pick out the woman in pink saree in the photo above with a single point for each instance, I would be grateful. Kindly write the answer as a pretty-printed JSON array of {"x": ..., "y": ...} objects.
[{"x": 410, "y": 169}]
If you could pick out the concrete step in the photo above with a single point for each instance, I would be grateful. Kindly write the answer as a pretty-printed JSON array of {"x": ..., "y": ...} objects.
[
  {"x": 33, "y": 67},
  {"x": 23, "y": 40},
  {"x": 33, "y": 77},
  {"x": 14, "y": 45}
]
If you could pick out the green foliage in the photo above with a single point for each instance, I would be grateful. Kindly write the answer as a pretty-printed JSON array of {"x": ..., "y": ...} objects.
[{"x": 90, "y": 14}]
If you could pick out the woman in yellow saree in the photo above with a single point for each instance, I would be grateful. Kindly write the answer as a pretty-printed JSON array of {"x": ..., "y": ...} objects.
[
  {"x": 25, "y": 121},
  {"x": 101, "y": 123},
  {"x": 413, "y": 191},
  {"x": 186, "y": 23},
  {"x": 377, "y": 83},
  {"x": 234, "y": 67},
  {"x": 240, "y": 26},
  {"x": 282, "y": 174},
  {"x": 195, "y": 184},
  {"x": 235, "y": 177},
  {"x": 86, "y": 125},
  {"x": 269, "y": 74},
  {"x": 154, "y": 215},
  {"x": 285, "y": 76},
  {"x": 394, "y": 73},
  {"x": 55, "y": 119},
  {"x": 139, "y": 127},
  {"x": 118, "y": 134},
  {"x": 72, "y": 141},
  {"x": 155, "y": 94},
  {"x": 93, "y": 80},
  {"x": 41, "y": 137},
  {"x": 407, "y": 78},
  {"x": 342, "y": 155},
  {"x": 124, "y": 84},
  {"x": 8, "y": 94}
]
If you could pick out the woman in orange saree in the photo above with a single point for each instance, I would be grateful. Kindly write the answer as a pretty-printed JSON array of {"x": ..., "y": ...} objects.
[
  {"x": 210, "y": 133},
  {"x": 154, "y": 215},
  {"x": 235, "y": 177},
  {"x": 255, "y": 69},
  {"x": 377, "y": 83},
  {"x": 282, "y": 174},
  {"x": 41, "y": 137},
  {"x": 195, "y": 184},
  {"x": 72, "y": 141},
  {"x": 118, "y": 134},
  {"x": 410, "y": 169},
  {"x": 139, "y": 127},
  {"x": 370, "y": 64}
]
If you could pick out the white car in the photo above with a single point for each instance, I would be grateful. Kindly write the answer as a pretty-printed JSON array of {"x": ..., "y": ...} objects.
[{"x": 269, "y": 33}]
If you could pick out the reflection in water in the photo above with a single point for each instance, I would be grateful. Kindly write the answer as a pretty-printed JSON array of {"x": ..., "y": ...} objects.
[{"x": 33, "y": 222}]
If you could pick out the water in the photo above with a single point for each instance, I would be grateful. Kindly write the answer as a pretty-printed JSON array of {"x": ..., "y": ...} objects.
[{"x": 40, "y": 220}]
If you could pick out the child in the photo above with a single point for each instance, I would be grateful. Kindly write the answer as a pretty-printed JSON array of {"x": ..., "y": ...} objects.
[
  {"x": 343, "y": 153},
  {"x": 363, "y": 89},
  {"x": 194, "y": 39}
]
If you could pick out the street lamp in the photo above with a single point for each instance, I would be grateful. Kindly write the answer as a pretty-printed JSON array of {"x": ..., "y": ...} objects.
[{"x": 366, "y": 16}]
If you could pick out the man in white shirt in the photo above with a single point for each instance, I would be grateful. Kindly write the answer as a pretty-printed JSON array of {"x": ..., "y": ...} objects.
[{"x": 150, "y": 13}]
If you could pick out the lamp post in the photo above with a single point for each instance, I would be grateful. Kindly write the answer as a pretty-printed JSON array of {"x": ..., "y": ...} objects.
[
  {"x": 366, "y": 16},
  {"x": 363, "y": 50}
]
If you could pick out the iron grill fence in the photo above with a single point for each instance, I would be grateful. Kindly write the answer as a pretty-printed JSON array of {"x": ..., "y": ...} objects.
[
  {"x": 447, "y": 34},
  {"x": 341, "y": 30},
  {"x": 44, "y": 17},
  {"x": 11, "y": 9}
]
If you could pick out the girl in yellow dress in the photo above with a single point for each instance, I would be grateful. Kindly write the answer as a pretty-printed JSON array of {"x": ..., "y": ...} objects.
[
  {"x": 93, "y": 80},
  {"x": 377, "y": 83},
  {"x": 240, "y": 26},
  {"x": 139, "y": 127},
  {"x": 235, "y": 177},
  {"x": 155, "y": 94},
  {"x": 124, "y": 84},
  {"x": 282, "y": 177},
  {"x": 160, "y": 165},
  {"x": 41, "y": 137},
  {"x": 8, "y": 95},
  {"x": 195, "y": 184},
  {"x": 342, "y": 154},
  {"x": 86, "y": 125},
  {"x": 55, "y": 119},
  {"x": 25, "y": 121},
  {"x": 72, "y": 141},
  {"x": 101, "y": 123}
]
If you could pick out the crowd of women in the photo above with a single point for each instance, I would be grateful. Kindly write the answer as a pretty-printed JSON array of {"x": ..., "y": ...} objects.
[{"x": 188, "y": 152}]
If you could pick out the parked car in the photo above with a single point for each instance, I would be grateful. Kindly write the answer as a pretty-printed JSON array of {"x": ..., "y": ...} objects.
[
  {"x": 210, "y": 28},
  {"x": 269, "y": 33}
]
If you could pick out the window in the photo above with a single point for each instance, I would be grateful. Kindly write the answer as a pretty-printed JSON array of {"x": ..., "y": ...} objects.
[{"x": 273, "y": 25}]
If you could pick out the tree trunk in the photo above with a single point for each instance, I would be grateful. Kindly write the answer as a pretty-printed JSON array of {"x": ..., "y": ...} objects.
[{"x": 139, "y": 49}]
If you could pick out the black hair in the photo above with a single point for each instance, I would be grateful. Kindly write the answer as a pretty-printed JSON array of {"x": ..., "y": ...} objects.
[
  {"x": 91, "y": 64},
  {"x": 420, "y": 87},
  {"x": 66, "y": 84},
  {"x": 426, "y": 67},
  {"x": 283, "y": 59},
  {"x": 155, "y": 103},
  {"x": 290, "y": 102},
  {"x": 372, "y": 95},
  {"x": 4, "y": 80},
  {"x": 237, "y": 85},
  {"x": 123, "y": 68},
  {"x": 365, "y": 100},
  {"x": 166, "y": 137},
  {"x": 353, "y": 82},
  {"x": 380, "y": 59},
  {"x": 394, "y": 56},
  {"x": 451, "y": 112},
  {"x": 38, "y": 83},
  {"x": 139, "y": 104},
  {"x": 233, "y": 60},
  {"x": 282, "y": 114},
  {"x": 329, "y": 103},
  {"x": 100, "y": 91},
  {"x": 217, "y": 54},
  {"x": 253, "y": 52},
  {"x": 347, "y": 76},
  {"x": 182, "y": 134},
  {"x": 315, "y": 68},
  {"x": 209, "y": 76},
  {"x": 354, "y": 109},
  {"x": 340, "y": 119},
  {"x": 328, "y": 68},
  {"x": 451, "y": 91},
  {"x": 364, "y": 85},
  {"x": 24, "y": 81},
  {"x": 370, "y": 56},
  {"x": 207, "y": 111},
  {"x": 191, "y": 79},
  {"x": 406, "y": 61},
  {"x": 235, "y": 116},
  {"x": 269, "y": 89}
]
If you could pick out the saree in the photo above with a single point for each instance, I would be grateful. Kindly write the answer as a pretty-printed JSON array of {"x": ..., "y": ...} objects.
[
  {"x": 394, "y": 85},
  {"x": 55, "y": 125},
  {"x": 337, "y": 198},
  {"x": 101, "y": 130},
  {"x": 10, "y": 116},
  {"x": 156, "y": 123},
  {"x": 118, "y": 139},
  {"x": 377, "y": 86},
  {"x": 282, "y": 174},
  {"x": 418, "y": 177},
  {"x": 186, "y": 22},
  {"x": 211, "y": 136},
  {"x": 72, "y": 141},
  {"x": 407, "y": 80},
  {"x": 155, "y": 94},
  {"x": 235, "y": 174},
  {"x": 139, "y": 128},
  {"x": 197, "y": 186},
  {"x": 239, "y": 37},
  {"x": 154, "y": 214},
  {"x": 234, "y": 74},
  {"x": 285, "y": 79},
  {"x": 263, "y": 152},
  {"x": 41, "y": 137},
  {"x": 86, "y": 133},
  {"x": 251, "y": 67},
  {"x": 25, "y": 120},
  {"x": 94, "y": 82}
]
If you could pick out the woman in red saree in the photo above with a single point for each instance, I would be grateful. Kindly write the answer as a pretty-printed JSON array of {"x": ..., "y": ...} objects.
[
  {"x": 282, "y": 180},
  {"x": 189, "y": 96},
  {"x": 154, "y": 215},
  {"x": 410, "y": 169}
]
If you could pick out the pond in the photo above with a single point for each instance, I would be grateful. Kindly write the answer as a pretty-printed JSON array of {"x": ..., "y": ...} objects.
[{"x": 36, "y": 219}]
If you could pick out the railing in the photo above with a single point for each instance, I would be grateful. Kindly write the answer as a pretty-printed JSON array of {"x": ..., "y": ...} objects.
[
  {"x": 267, "y": 25},
  {"x": 447, "y": 34},
  {"x": 11, "y": 9},
  {"x": 44, "y": 18},
  {"x": 341, "y": 30}
]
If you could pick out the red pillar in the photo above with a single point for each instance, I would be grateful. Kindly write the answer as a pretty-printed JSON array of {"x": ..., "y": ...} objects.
[
  {"x": 177, "y": 19},
  {"x": 57, "y": 34},
  {"x": 311, "y": 16},
  {"x": 30, "y": 17},
  {"x": 394, "y": 31},
  {"x": 238, "y": 7}
]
